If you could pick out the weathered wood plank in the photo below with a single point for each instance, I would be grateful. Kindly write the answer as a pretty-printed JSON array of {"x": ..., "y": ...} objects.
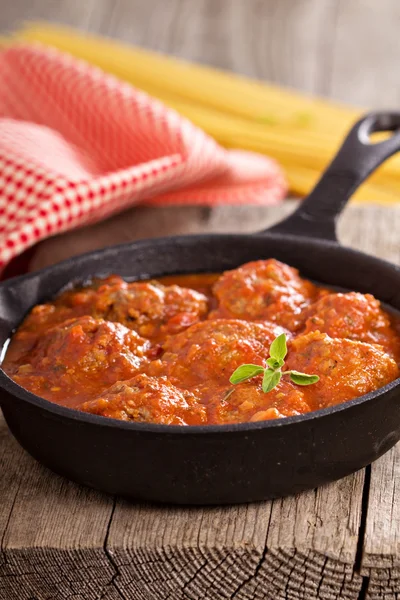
[
  {"x": 70, "y": 12},
  {"x": 52, "y": 532},
  {"x": 301, "y": 547},
  {"x": 374, "y": 230},
  {"x": 365, "y": 53},
  {"x": 177, "y": 553},
  {"x": 381, "y": 549},
  {"x": 283, "y": 41},
  {"x": 312, "y": 545}
]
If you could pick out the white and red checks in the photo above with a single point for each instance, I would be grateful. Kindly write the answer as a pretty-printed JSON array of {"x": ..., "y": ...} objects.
[{"x": 77, "y": 145}]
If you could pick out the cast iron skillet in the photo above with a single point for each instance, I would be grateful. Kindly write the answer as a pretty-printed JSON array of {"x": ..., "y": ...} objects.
[{"x": 230, "y": 463}]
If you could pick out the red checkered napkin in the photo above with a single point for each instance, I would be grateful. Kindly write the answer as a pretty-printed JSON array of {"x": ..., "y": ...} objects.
[{"x": 77, "y": 145}]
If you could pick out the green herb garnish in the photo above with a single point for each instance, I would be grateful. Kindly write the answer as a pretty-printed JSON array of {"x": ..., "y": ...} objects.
[{"x": 272, "y": 373}]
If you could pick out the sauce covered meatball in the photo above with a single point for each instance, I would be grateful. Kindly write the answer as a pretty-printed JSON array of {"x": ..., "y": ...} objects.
[
  {"x": 78, "y": 359},
  {"x": 71, "y": 303},
  {"x": 353, "y": 316},
  {"x": 347, "y": 369},
  {"x": 150, "y": 308},
  {"x": 247, "y": 402},
  {"x": 264, "y": 289},
  {"x": 148, "y": 399},
  {"x": 212, "y": 350}
]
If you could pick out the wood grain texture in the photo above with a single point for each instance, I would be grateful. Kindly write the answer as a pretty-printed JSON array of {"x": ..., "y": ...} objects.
[
  {"x": 179, "y": 553},
  {"x": 312, "y": 543},
  {"x": 381, "y": 551},
  {"x": 56, "y": 543},
  {"x": 269, "y": 550},
  {"x": 71, "y": 12},
  {"x": 52, "y": 532},
  {"x": 366, "y": 53},
  {"x": 294, "y": 41}
]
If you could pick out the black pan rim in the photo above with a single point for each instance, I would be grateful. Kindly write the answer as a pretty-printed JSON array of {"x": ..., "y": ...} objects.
[{"x": 190, "y": 240}]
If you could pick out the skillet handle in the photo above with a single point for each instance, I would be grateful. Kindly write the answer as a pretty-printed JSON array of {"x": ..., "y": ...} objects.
[{"x": 357, "y": 158}]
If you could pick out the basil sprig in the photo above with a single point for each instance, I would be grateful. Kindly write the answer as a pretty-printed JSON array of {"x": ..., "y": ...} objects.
[{"x": 272, "y": 373}]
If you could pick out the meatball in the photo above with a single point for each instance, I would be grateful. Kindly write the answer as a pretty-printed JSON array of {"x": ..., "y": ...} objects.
[
  {"x": 247, "y": 402},
  {"x": 78, "y": 359},
  {"x": 71, "y": 303},
  {"x": 150, "y": 308},
  {"x": 353, "y": 316},
  {"x": 264, "y": 289},
  {"x": 148, "y": 399},
  {"x": 212, "y": 350},
  {"x": 347, "y": 369}
]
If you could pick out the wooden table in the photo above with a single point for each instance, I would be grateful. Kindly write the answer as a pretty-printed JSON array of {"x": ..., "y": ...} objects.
[{"x": 60, "y": 541}]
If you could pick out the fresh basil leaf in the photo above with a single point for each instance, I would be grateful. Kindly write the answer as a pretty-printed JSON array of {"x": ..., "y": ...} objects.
[
  {"x": 275, "y": 364},
  {"x": 278, "y": 348},
  {"x": 245, "y": 372},
  {"x": 270, "y": 380},
  {"x": 303, "y": 378}
]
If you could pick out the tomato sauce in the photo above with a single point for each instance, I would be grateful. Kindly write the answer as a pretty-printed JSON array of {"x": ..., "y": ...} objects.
[{"x": 163, "y": 351}]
